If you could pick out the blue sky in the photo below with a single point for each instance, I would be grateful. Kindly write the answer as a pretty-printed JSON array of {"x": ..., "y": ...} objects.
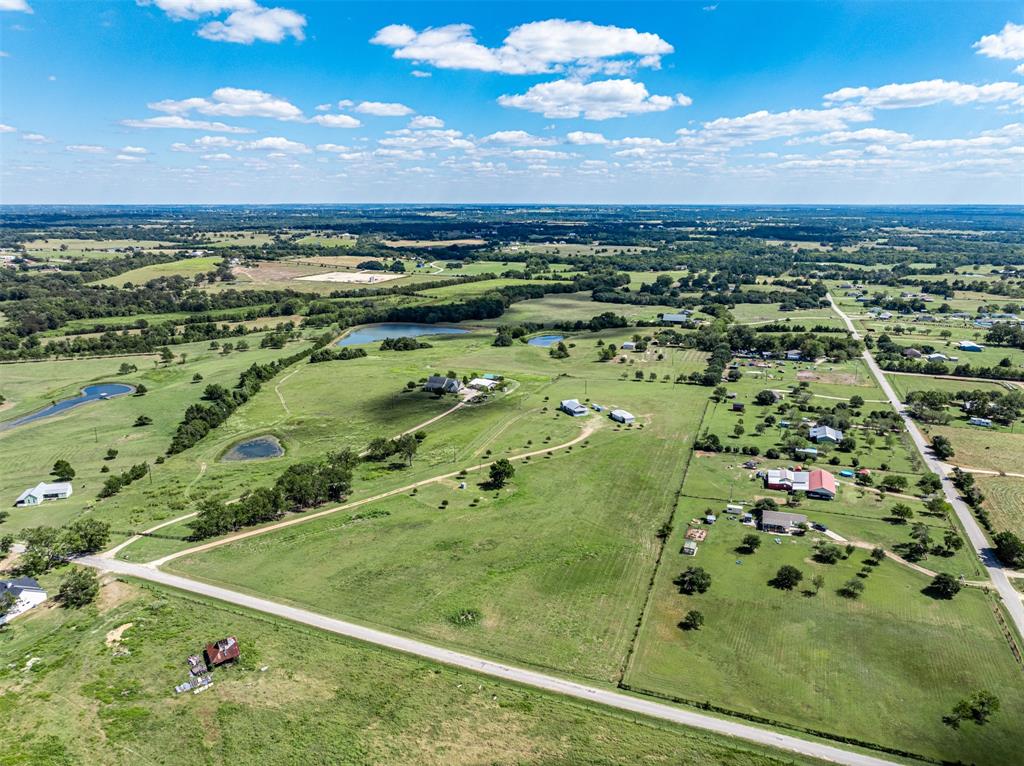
[{"x": 281, "y": 101}]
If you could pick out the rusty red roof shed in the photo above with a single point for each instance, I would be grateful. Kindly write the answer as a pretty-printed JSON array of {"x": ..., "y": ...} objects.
[{"x": 222, "y": 651}]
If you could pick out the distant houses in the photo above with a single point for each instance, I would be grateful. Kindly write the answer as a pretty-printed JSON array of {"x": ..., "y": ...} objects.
[
  {"x": 983, "y": 422},
  {"x": 572, "y": 407},
  {"x": 439, "y": 384},
  {"x": 818, "y": 483},
  {"x": 27, "y": 593},
  {"x": 58, "y": 490}
]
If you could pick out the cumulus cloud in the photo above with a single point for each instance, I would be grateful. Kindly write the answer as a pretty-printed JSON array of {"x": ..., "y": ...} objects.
[
  {"x": 426, "y": 139},
  {"x": 583, "y": 138},
  {"x": 516, "y": 138},
  {"x": 927, "y": 93},
  {"x": 246, "y": 22},
  {"x": 541, "y": 154},
  {"x": 600, "y": 100},
  {"x": 130, "y": 158},
  {"x": 7, "y": 129},
  {"x": 35, "y": 138},
  {"x": 382, "y": 109},
  {"x": 533, "y": 48},
  {"x": 862, "y": 136},
  {"x": 278, "y": 144},
  {"x": 232, "y": 102},
  {"x": 15, "y": 5},
  {"x": 207, "y": 143},
  {"x": 420, "y": 73},
  {"x": 85, "y": 149},
  {"x": 764, "y": 125},
  {"x": 176, "y": 121},
  {"x": 426, "y": 121},
  {"x": 336, "y": 121},
  {"x": 1007, "y": 44},
  {"x": 137, "y": 150}
]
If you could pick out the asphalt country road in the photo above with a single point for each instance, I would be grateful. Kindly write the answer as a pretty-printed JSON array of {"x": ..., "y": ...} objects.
[
  {"x": 996, "y": 572},
  {"x": 531, "y": 678}
]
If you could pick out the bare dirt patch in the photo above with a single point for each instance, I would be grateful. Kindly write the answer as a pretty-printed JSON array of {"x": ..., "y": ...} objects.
[
  {"x": 114, "y": 636},
  {"x": 115, "y": 592},
  {"x": 357, "y": 277}
]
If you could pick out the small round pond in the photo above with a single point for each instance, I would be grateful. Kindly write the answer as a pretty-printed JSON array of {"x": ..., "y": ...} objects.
[
  {"x": 257, "y": 448},
  {"x": 89, "y": 394},
  {"x": 545, "y": 340},
  {"x": 376, "y": 332}
]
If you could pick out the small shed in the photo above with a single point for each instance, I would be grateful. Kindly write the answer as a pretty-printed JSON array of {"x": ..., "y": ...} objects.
[
  {"x": 983, "y": 422},
  {"x": 628, "y": 346},
  {"x": 689, "y": 548},
  {"x": 733, "y": 508},
  {"x": 738, "y": 406}
]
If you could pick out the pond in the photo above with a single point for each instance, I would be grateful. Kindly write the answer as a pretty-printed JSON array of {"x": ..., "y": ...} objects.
[
  {"x": 89, "y": 394},
  {"x": 255, "y": 449},
  {"x": 376, "y": 332},
  {"x": 545, "y": 340}
]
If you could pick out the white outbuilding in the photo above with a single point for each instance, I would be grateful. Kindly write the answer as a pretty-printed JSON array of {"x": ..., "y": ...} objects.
[{"x": 621, "y": 416}]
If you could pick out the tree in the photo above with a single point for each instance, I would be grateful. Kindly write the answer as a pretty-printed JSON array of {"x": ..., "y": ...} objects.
[
  {"x": 140, "y": 390},
  {"x": 407, "y": 445},
  {"x": 828, "y": 554},
  {"x": 501, "y": 471},
  {"x": 166, "y": 355},
  {"x": 787, "y": 578},
  {"x": 893, "y": 483},
  {"x": 942, "y": 447},
  {"x": 693, "y": 580},
  {"x": 738, "y": 430},
  {"x": 952, "y": 541},
  {"x": 944, "y": 586},
  {"x": 750, "y": 543},
  {"x": 560, "y": 351},
  {"x": 85, "y": 535},
  {"x": 143, "y": 420},
  {"x": 79, "y": 587},
  {"x": 765, "y": 398},
  {"x": 929, "y": 483},
  {"x": 197, "y": 378},
  {"x": 979, "y": 707},
  {"x": 1009, "y": 549},
  {"x": 902, "y": 512},
  {"x": 818, "y": 581},
  {"x": 852, "y": 588},
  {"x": 692, "y": 621},
  {"x": 63, "y": 471},
  {"x": 856, "y": 402},
  {"x": 111, "y": 454}
]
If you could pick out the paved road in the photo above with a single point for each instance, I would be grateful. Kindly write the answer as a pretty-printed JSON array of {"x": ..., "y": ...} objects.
[
  {"x": 501, "y": 671},
  {"x": 1010, "y": 596}
]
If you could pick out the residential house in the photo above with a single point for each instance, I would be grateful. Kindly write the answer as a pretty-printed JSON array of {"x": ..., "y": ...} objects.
[
  {"x": 439, "y": 384},
  {"x": 781, "y": 522},
  {"x": 572, "y": 407},
  {"x": 621, "y": 416},
  {"x": 912, "y": 353},
  {"x": 628, "y": 346},
  {"x": 483, "y": 384},
  {"x": 59, "y": 490},
  {"x": 822, "y": 434},
  {"x": 818, "y": 483},
  {"x": 679, "y": 318},
  {"x": 794, "y": 355},
  {"x": 27, "y": 594}
]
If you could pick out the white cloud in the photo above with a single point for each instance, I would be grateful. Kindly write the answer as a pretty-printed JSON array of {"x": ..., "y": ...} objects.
[
  {"x": 278, "y": 144},
  {"x": 583, "y": 138},
  {"x": 15, "y": 5},
  {"x": 218, "y": 157},
  {"x": 129, "y": 158},
  {"x": 381, "y": 109},
  {"x": 862, "y": 136},
  {"x": 599, "y": 100},
  {"x": 426, "y": 121},
  {"x": 516, "y": 138},
  {"x": 541, "y": 154},
  {"x": 247, "y": 21},
  {"x": 207, "y": 143},
  {"x": 176, "y": 121},
  {"x": 7, "y": 129},
  {"x": 1007, "y": 44},
  {"x": 400, "y": 154},
  {"x": 233, "y": 102},
  {"x": 323, "y": 107},
  {"x": 35, "y": 138},
  {"x": 927, "y": 93},
  {"x": 85, "y": 149},
  {"x": 337, "y": 148},
  {"x": 764, "y": 125},
  {"x": 533, "y": 48},
  {"x": 426, "y": 139},
  {"x": 137, "y": 150},
  {"x": 336, "y": 121},
  {"x": 420, "y": 73}
]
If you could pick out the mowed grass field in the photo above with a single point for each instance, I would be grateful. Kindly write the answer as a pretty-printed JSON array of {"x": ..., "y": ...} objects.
[
  {"x": 570, "y": 307},
  {"x": 555, "y": 565},
  {"x": 94, "y": 697},
  {"x": 186, "y": 267},
  {"x": 1004, "y": 501},
  {"x": 883, "y": 668},
  {"x": 82, "y": 435},
  {"x": 981, "y": 448}
]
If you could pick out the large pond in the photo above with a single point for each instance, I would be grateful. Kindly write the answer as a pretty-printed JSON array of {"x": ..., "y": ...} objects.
[
  {"x": 255, "y": 449},
  {"x": 545, "y": 340},
  {"x": 89, "y": 394},
  {"x": 376, "y": 332}
]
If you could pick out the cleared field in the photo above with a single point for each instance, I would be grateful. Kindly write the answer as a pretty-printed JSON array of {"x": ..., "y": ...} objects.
[
  {"x": 429, "y": 243},
  {"x": 883, "y": 668},
  {"x": 239, "y": 238},
  {"x": 83, "y": 434},
  {"x": 350, "y": 277},
  {"x": 570, "y": 307},
  {"x": 327, "y": 240},
  {"x": 980, "y": 448},
  {"x": 101, "y": 691},
  {"x": 186, "y": 267},
  {"x": 1004, "y": 501},
  {"x": 904, "y": 384}
]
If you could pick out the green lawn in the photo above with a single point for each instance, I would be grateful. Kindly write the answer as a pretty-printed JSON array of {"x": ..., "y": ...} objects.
[
  {"x": 883, "y": 668},
  {"x": 295, "y": 691},
  {"x": 1004, "y": 501},
  {"x": 186, "y": 267}
]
